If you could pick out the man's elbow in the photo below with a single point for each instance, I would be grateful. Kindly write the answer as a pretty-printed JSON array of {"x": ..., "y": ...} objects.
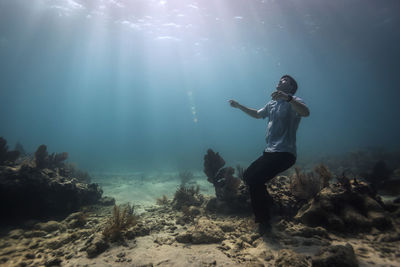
[{"x": 306, "y": 113}]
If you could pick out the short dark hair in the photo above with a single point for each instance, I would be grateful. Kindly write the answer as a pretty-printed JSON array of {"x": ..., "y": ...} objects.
[{"x": 292, "y": 81}]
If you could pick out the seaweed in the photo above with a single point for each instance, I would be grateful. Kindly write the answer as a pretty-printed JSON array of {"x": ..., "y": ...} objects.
[
  {"x": 119, "y": 222},
  {"x": 7, "y": 156}
]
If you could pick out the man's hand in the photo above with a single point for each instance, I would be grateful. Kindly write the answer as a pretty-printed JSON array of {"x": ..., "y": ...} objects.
[
  {"x": 233, "y": 103},
  {"x": 279, "y": 95}
]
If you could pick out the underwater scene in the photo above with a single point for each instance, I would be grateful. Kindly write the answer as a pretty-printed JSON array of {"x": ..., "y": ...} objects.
[{"x": 199, "y": 133}]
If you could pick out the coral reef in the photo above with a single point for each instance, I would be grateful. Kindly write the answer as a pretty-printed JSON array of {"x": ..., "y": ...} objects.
[
  {"x": 352, "y": 207},
  {"x": 373, "y": 165},
  {"x": 7, "y": 157},
  {"x": 210, "y": 239},
  {"x": 231, "y": 193},
  {"x": 37, "y": 188}
]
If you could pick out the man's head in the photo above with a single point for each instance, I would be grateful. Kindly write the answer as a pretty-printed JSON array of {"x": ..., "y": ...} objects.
[{"x": 287, "y": 84}]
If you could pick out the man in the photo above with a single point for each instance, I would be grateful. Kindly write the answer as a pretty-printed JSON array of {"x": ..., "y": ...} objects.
[{"x": 284, "y": 112}]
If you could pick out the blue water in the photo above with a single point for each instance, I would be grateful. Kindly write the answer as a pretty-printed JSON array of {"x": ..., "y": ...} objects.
[{"x": 143, "y": 85}]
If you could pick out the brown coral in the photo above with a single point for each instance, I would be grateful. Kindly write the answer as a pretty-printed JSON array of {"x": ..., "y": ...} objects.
[
  {"x": 5, "y": 155},
  {"x": 304, "y": 185},
  {"x": 187, "y": 196},
  {"x": 212, "y": 163},
  {"x": 44, "y": 160},
  {"x": 120, "y": 221}
]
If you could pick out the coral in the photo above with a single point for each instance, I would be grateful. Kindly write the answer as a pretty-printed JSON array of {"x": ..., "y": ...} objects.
[
  {"x": 44, "y": 160},
  {"x": 187, "y": 196},
  {"x": 226, "y": 185},
  {"x": 304, "y": 185},
  {"x": 5, "y": 155},
  {"x": 344, "y": 181},
  {"x": 70, "y": 170},
  {"x": 119, "y": 222},
  {"x": 56, "y": 159},
  {"x": 41, "y": 157},
  {"x": 162, "y": 201},
  {"x": 307, "y": 185},
  {"x": 324, "y": 174},
  {"x": 232, "y": 194},
  {"x": 346, "y": 207},
  {"x": 185, "y": 176},
  {"x": 27, "y": 192},
  {"x": 285, "y": 203},
  {"x": 212, "y": 163}
]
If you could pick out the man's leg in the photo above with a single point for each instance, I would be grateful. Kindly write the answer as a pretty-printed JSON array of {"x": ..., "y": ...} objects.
[{"x": 258, "y": 173}]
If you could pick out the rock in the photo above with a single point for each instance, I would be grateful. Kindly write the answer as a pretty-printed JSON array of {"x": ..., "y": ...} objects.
[
  {"x": 288, "y": 257},
  {"x": 227, "y": 227},
  {"x": 284, "y": 203},
  {"x": 28, "y": 192},
  {"x": 49, "y": 226},
  {"x": 333, "y": 256},
  {"x": 97, "y": 246},
  {"x": 16, "y": 234},
  {"x": 53, "y": 262},
  {"x": 137, "y": 230},
  {"x": 38, "y": 233},
  {"x": 59, "y": 241},
  {"x": 204, "y": 232},
  {"x": 107, "y": 201},
  {"x": 194, "y": 211},
  {"x": 342, "y": 209},
  {"x": 184, "y": 237},
  {"x": 390, "y": 237}
]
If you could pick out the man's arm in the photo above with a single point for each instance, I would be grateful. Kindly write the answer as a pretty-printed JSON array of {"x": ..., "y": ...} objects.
[
  {"x": 249, "y": 111},
  {"x": 299, "y": 107}
]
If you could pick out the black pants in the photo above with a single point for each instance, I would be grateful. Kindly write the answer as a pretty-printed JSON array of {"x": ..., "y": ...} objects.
[{"x": 261, "y": 171}]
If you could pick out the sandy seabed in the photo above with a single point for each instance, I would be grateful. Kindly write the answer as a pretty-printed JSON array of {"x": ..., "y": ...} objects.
[{"x": 207, "y": 240}]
